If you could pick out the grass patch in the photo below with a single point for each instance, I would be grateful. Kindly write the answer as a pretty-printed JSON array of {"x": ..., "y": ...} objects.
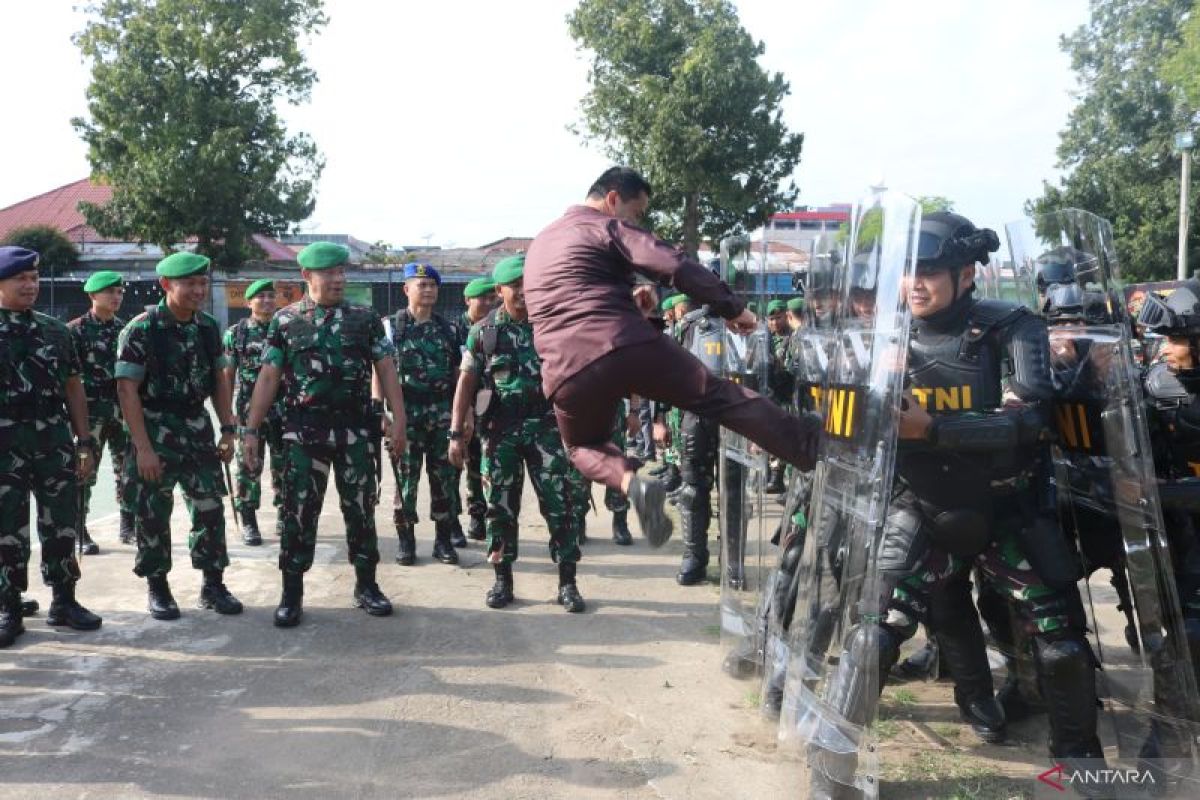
[
  {"x": 886, "y": 728},
  {"x": 753, "y": 699},
  {"x": 904, "y": 697},
  {"x": 712, "y": 630},
  {"x": 956, "y": 776},
  {"x": 946, "y": 730}
]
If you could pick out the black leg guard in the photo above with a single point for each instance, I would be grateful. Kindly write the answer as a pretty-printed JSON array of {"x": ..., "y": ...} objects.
[
  {"x": 406, "y": 553},
  {"x": 1067, "y": 669},
  {"x": 695, "y": 514}
]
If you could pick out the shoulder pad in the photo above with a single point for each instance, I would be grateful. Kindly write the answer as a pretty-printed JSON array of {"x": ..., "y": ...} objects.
[
  {"x": 1162, "y": 384},
  {"x": 993, "y": 313}
]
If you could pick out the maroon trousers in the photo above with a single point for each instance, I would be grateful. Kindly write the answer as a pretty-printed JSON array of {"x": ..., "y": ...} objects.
[{"x": 586, "y": 403}]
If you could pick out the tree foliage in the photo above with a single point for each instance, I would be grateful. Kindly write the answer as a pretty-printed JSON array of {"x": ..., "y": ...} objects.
[
  {"x": 678, "y": 94},
  {"x": 1117, "y": 148},
  {"x": 56, "y": 250},
  {"x": 183, "y": 120}
]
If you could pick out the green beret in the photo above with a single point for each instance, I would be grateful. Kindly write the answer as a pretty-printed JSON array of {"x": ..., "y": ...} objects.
[
  {"x": 508, "y": 270},
  {"x": 479, "y": 287},
  {"x": 668, "y": 302},
  {"x": 775, "y": 306},
  {"x": 183, "y": 265},
  {"x": 323, "y": 255},
  {"x": 795, "y": 304},
  {"x": 260, "y": 285},
  {"x": 680, "y": 298},
  {"x": 99, "y": 281}
]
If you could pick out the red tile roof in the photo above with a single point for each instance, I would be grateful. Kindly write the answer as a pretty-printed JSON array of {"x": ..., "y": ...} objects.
[{"x": 60, "y": 208}]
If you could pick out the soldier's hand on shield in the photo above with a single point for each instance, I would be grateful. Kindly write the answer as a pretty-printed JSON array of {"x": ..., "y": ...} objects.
[
  {"x": 914, "y": 421},
  {"x": 743, "y": 323},
  {"x": 397, "y": 441},
  {"x": 225, "y": 447},
  {"x": 250, "y": 450},
  {"x": 149, "y": 465},
  {"x": 457, "y": 453}
]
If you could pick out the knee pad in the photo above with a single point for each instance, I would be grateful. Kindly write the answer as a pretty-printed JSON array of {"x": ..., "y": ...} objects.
[
  {"x": 693, "y": 497},
  {"x": 1065, "y": 660}
]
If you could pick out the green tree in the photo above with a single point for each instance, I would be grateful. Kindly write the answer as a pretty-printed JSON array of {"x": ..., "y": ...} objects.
[
  {"x": 678, "y": 94},
  {"x": 1116, "y": 150},
  {"x": 183, "y": 120},
  {"x": 56, "y": 250}
]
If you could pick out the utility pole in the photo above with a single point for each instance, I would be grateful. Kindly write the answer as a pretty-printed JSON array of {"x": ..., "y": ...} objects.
[{"x": 1184, "y": 143}]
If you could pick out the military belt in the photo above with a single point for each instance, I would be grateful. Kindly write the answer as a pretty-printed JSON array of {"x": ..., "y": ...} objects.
[
  {"x": 181, "y": 408},
  {"x": 327, "y": 418}
]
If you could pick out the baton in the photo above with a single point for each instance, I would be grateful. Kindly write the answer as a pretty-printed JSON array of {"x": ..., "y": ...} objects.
[
  {"x": 79, "y": 522},
  {"x": 237, "y": 523}
]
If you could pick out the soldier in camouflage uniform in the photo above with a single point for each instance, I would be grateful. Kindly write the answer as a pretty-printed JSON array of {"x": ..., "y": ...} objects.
[
  {"x": 480, "y": 296},
  {"x": 169, "y": 361},
  {"x": 519, "y": 431},
  {"x": 94, "y": 336},
  {"x": 427, "y": 357},
  {"x": 780, "y": 382},
  {"x": 673, "y": 479},
  {"x": 39, "y": 388},
  {"x": 324, "y": 349},
  {"x": 243, "y": 343}
]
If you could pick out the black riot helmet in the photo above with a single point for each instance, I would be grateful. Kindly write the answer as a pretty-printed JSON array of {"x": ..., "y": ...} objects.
[
  {"x": 1060, "y": 266},
  {"x": 1176, "y": 314},
  {"x": 1069, "y": 302},
  {"x": 951, "y": 241}
]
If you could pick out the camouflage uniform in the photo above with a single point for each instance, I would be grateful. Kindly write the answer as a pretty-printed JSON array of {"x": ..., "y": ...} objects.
[
  {"x": 95, "y": 343},
  {"x": 36, "y": 451},
  {"x": 427, "y": 356},
  {"x": 244, "y": 343},
  {"x": 326, "y": 356},
  {"x": 476, "y": 503},
  {"x": 175, "y": 363},
  {"x": 520, "y": 431}
]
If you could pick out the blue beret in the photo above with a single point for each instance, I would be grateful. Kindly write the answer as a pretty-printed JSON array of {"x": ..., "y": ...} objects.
[
  {"x": 418, "y": 269},
  {"x": 15, "y": 260}
]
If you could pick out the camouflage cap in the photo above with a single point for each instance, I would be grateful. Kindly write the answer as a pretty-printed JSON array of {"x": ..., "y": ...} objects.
[
  {"x": 323, "y": 255},
  {"x": 479, "y": 287},
  {"x": 183, "y": 265},
  {"x": 508, "y": 270},
  {"x": 261, "y": 285},
  {"x": 99, "y": 281}
]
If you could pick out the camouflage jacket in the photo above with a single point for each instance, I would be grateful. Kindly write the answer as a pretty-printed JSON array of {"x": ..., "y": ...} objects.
[
  {"x": 36, "y": 360},
  {"x": 95, "y": 343},
  {"x": 244, "y": 343},
  {"x": 427, "y": 357},
  {"x": 510, "y": 367},
  {"x": 326, "y": 355},
  {"x": 779, "y": 377},
  {"x": 462, "y": 326}
]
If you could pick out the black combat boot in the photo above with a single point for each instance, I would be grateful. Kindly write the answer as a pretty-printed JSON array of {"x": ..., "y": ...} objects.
[
  {"x": 501, "y": 593},
  {"x": 29, "y": 606},
  {"x": 673, "y": 480},
  {"x": 250, "y": 533},
  {"x": 457, "y": 538},
  {"x": 477, "y": 529},
  {"x": 568, "y": 593},
  {"x": 406, "y": 553},
  {"x": 367, "y": 595},
  {"x": 1066, "y": 669},
  {"x": 693, "y": 569},
  {"x": 647, "y": 498},
  {"x": 11, "y": 625},
  {"x": 443, "y": 550},
  {"x": 161, "y": 603},
  {"x": 291, "y": 603},
  {"x": 922, "y": 665},
  {"x": 65, "y": 610},
  {"x": 214, "y": 595},
  {"x": 89, "y": 548},
  {"x": 127, "y": 534},
  {"x": 620, "y": 528}
]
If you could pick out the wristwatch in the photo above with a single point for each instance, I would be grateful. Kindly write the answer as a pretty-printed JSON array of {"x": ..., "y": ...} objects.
[
  {"x": 228, "y": 429},
  {"x": 242, "y": 430},
  {"x": 456, "y": 436}
]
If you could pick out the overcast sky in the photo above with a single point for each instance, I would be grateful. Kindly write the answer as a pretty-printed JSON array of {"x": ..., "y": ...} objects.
[{"x": 449, "y": 120}]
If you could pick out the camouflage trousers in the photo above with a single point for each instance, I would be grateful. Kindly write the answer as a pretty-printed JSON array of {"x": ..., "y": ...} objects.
[
  {"x": 249, "y": 481},
  {"x": 476, "y": 502},
  {"x": 674, "y": 433},
  {"x": 428, "y": 443},
  {"x": 50, "y": 476},
  {"x": 203, "y": 486},
  {"x": 509, "y": 449},
  {"x": 107, "y": 432},
  {"x": 351, "y": 457}
]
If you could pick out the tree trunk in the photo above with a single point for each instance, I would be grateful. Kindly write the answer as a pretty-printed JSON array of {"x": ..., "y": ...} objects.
[{"x": 691, "y": 224}]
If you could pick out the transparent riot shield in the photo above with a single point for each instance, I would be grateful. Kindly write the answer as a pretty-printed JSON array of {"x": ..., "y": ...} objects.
[
  {"x": 808, "y": 355},
  {"x": 1108, "y": 497},
  {"x": 832, "y": 689},
  {"x": 742, "y": 470}
]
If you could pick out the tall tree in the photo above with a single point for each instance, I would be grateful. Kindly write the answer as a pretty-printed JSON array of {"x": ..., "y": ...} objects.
[
  {"x": 1117, "y": 148},
  {"x": 184, "y": 123},
  {"x": 56, "y": 250},
  {"x": 677, "y": 93}
]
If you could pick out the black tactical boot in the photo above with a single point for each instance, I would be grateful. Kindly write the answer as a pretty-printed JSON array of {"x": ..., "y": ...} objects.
[
  {"x": 291, "y": 603},
  {"x": 250, "y": 532},
  {"x": 214, "y": 595},
  {"x": 11, "y": 625},
  {"x": 406, "y": 554},
  {"x": 1016, "y": 704},
  {"x": 367, "y": 595},
  {"x": 647, "y": 498},
  {"x": 694, "y": 567},
  {"x": 568, "y": 593},
  {"x": 29, "y": 606},
  {"x": 443, "y": 550},
  {"x": 501, "y": 593},
  {"x": 127, "y": 535},
  {"x": 457, "y": 538},
  {"x": 477, "y": 529},
  {"x": 89, "y": 547},
  {"x": 620, "y": 528},
  {"x": 161, "y": 602},
  {"x": 921, "y": 665},
  {"x": 1067, "y": 675},
  {"x": 673, "y": 480},
  {"x": 65, "y": 610}
]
